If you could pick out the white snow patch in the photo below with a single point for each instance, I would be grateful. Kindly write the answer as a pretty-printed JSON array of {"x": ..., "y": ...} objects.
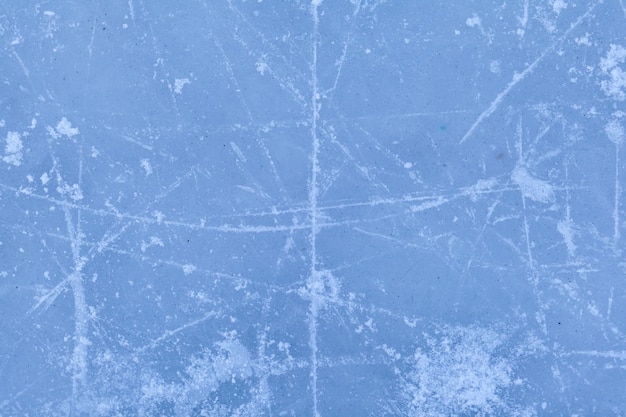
[
  {"x": 53, "y": 133},
  {"x": 262, "y": 67},
  {"x": 189, "y": 268},
  {"x": 459, "y": 371},
  {"x": 63, "y": 128},
  {"x": 473, "y": 21},
  {"x": 558, "y": 6},
  {"x": 72, "y": 191},
  {"x": 322, "y": 288},
  {"x": 13, "y": 149},
  {"x": 391, "y": 352},
  {"x": 370, "y": 325},
  {"x": 531, "y": 187},
  {"x": 593, "y": 309},
  {"x": 179, "y": 83},
  {"x": 408, "y": 165},
  {"x": 226, "y": 364},
  {"x": 154, "y": 241},
  {"x": 583, "y": 40},
  {"x": 159, "y": 216},
  {"x": 145, "y": 164},
  {"x": 613, "y": 87}
]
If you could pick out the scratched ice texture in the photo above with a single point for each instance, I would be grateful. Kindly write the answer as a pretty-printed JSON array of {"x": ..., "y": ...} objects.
[{"x": 326, "y": 208}]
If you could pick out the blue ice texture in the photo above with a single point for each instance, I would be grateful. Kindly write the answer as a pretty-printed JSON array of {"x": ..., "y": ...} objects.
[{"x": 312, "y": 208}]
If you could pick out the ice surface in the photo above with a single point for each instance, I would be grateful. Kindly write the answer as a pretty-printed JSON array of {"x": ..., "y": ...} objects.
[{"x": 312, "y": 208}]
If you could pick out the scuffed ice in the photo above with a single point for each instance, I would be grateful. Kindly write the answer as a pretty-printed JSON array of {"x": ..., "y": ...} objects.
[{"x": 312, "y": 208}]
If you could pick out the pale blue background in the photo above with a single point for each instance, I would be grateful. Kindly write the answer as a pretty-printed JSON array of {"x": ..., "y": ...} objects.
[{"x": 248, "y": 208}]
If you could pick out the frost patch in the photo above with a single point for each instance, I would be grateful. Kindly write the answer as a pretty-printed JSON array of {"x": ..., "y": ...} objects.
[
  {"x": 63, "y": 128},
  {"x": 322, "y": 288},
  {"x": 44, "y": 178},
  {"x": 531, "y": 187},
  {"x": 159, "y": 216},
  {"x": 198, "y": 386},
  {"x": 458, "y": 372},
  {"x": 154, "y": 241},
  {"x": 145, "y": 164},
  {"x": 473, "y": 21},
  {"x": 13, "y": 149},
  {"x": 262, "y": 67},
  {"x": 72, "y": 191},
  {"x": 610, "y": 66},
  {"x": 189, "y": 269},
  {"x": 558, "y": 6},
  {"x": 179, "y": 83},
  {"x": 583, "y": 40}
]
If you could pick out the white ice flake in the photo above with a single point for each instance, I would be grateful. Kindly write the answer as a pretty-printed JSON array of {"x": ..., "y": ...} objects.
[
  {"x": 158, "y": 215},
  {"x": 145, "y": 164},
  {"x": 64, "y": 128},
  {"x": 179, "y": 83},
  {"x": 558, "y": 6},
  {"x": 614, "y": 86},
  {"x": 189, "y": 269},
  {"x": 473, "y": 21},
  {"x": 13, "y": 149},
  {"x": 583, "y": 40},
  {"x": 153, "y": 241},
  {"x": 72, "y": 191},
  {"x": 262, "y": 67}
]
